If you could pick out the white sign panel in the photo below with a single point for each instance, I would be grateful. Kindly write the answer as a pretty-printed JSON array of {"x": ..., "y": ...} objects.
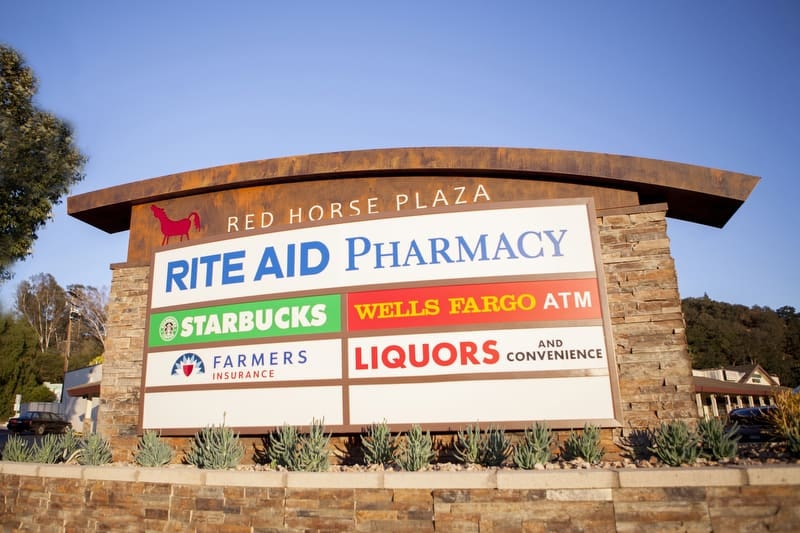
[
  {"x": 241, "y": 408},
  {"x": 250, "y": 363},
  {"x": 542, "y": 399},
  {"x": 491, "y": 315},
  {"x": 478, "y": 352},
  {"x": 457, "y": 245}
]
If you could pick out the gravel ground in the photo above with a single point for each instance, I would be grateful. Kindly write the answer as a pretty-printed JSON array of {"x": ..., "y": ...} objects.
[{"x": 750, "y": 454}]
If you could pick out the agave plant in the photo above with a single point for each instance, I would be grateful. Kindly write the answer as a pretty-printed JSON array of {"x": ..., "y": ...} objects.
[
  {"x": 584, "y": 445},
  {"x": 152, "y": 450},
  {"x": 215, "y": 447},
  {"x": 378, "y": 444},
  {"x": 416, "y": 451},
  {"x": 534, "y": 447}
]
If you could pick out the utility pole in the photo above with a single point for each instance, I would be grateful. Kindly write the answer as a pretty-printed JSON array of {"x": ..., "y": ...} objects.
[
  {"x": 69, "y": 341},
  {"x": 73, "y": 312}
]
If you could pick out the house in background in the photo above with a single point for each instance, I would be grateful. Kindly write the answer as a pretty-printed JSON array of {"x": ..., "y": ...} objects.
[
  {"x": 82, "y": 397},
  {"x": 720, "y": 390}
]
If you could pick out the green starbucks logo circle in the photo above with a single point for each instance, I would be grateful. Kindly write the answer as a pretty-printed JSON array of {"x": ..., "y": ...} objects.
[{"x": 168, "y": 329}]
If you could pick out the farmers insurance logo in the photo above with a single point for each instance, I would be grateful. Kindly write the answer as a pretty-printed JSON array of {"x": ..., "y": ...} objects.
[{"x": 188, "y": 364}]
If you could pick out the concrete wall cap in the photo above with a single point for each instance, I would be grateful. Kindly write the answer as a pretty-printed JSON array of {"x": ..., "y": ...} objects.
[
  {"x": 335, "y": 480},
  {"x": 110, "y": 473},
  {"x": 589, "y": 479},
  {"x": 557, "y": 479},
  {"x": 235, "y": 478},
  {"x": 19, "y": 469},
  {"x": 682, "y": 477},
  {"x": 772, "y": 475},
  {"x": 63, "y": 471},
  {"x": 176, "y": 476},
  {"x": 440, "y": 480}
]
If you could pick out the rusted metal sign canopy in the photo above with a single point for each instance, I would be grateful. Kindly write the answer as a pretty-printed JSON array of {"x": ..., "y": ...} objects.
[{"x": 693, "y": 193}]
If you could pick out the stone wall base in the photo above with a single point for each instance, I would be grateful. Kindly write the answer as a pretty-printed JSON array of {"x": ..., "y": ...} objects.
[{"x": 119, "y": 498}]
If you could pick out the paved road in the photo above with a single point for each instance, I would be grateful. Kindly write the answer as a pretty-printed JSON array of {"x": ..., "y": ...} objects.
[{"x": 4, "y": 433}]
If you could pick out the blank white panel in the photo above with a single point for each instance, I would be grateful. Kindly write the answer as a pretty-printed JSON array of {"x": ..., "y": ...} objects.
[
  {"x": 242, "y": 407},
  {"x": 582, "y": 398}
]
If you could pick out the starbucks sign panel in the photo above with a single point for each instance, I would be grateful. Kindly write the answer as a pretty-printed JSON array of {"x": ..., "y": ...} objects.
[{"x": 494, "y": 314}]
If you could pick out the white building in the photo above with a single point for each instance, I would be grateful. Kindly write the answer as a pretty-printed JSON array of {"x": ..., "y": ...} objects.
[
  {"x": 720, "y": 390},
  {"x": 80, "y": 397}
]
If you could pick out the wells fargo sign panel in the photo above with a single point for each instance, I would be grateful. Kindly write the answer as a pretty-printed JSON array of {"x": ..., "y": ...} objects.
[{"x": 494, "y": 315}]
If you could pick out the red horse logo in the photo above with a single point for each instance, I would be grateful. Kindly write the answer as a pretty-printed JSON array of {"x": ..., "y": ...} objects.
[{"x": 175, "y": 228}]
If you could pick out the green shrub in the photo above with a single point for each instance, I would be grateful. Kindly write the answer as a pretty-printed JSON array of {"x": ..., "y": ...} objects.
[
  {"x": 70, "y": 446},
  {"x": 468, "y": 444},
  {"x": 312, "y": 454},
  {"x": 793, "y": 441},
  {"x": 378, "y": 444},
  {"x": 16, "y": 449},
  {"x": 584, "y": 445},
  {"x": 675, "y": 444},
  {"x": 496, "y": 448},
  {"x": 716, "y": 442},
  {"x": 416, "y": 451},
  {"x": 95, "y": 451},
  {"x": 39, "y": 393},
  {"x": 534, "y": 447},
  {"x": 637, "y": 443},
  {"x": 215, "y": 447},
  {"x": 152, "y": 450},
  {"x": 283, "y": 444},
  {"x": 300, "y": 452},
  {"x": 489, "y": 448},
  {"x": 785, "y": 420},
  {"x": 47, "y": 449}
]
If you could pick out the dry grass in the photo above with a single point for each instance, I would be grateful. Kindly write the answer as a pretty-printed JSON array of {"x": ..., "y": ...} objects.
[{"x": 786, "y": 417}]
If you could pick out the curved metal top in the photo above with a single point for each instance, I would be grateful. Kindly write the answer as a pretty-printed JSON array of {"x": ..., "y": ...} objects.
[{"x": 697, "y": 194}]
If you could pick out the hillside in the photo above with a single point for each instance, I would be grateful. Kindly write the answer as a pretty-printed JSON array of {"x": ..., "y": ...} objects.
[{"x": 723, "y": 334}]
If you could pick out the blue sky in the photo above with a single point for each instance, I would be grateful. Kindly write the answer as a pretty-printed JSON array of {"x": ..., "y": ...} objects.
[{"x": 153, "y": 88}]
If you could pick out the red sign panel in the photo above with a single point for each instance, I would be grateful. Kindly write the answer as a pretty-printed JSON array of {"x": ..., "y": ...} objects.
[{"x": 487, "y": 303}]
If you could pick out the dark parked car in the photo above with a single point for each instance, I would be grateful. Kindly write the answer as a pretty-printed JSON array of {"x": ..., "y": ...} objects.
[
  {"x": 39, "y": 422},
  {"x": 754, "y": 423}
]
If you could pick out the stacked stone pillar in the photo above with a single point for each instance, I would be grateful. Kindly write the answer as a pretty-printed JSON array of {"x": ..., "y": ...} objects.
[{"x": 655, "y": 374}]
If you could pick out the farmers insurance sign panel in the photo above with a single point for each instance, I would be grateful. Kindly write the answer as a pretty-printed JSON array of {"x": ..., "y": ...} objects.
[{"x": 491, "y": 315}]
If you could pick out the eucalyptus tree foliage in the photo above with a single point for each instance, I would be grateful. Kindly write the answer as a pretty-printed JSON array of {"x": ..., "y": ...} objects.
[
  {"x": 89, "y": 306},
  {"x": 43, "y": 303},
  {"x": 39, "y": 161},
  {"x": 77, "y": 316}
]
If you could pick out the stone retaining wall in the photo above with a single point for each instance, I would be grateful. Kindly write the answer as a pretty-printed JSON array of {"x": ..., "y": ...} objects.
[{"x": 120, "y": 498}]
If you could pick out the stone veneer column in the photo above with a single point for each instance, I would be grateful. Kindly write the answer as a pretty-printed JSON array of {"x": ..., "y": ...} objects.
[
  {"x": 122, "y": 361},
  {"x": 655, "y": 373}
]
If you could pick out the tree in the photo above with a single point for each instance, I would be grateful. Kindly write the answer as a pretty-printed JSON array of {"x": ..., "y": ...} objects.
[
  {"x": 91, "y": 307},
  {"x": 722, "y": 334},
  {"x": 43, "y": 303},
  {"x": 39, "y": 393},
  {"x": 39, "y": 161},
  {"x": 70, "y": 325},
  {"x": 792, "y": 338},
  {"x": 17, "y": 351}
]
